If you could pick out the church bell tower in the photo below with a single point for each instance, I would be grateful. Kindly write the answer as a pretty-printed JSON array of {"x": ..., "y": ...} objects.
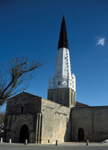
[{"x": 63, "y": 88}]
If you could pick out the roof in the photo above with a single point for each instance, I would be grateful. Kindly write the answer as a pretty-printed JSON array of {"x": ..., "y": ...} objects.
[
  {"x": 22, "y": 93},
  {"x": 63, "y": 41}
]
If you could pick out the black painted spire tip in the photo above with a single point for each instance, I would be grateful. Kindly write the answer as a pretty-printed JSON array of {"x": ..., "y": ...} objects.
[{"x": 63, "y": 41}]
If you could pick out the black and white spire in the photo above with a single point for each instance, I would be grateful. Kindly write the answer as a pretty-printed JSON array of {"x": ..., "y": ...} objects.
[{"x": 62, "y": 76}]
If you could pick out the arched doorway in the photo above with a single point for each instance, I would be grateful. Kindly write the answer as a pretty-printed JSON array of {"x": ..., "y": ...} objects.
[
  {"x": 81, "y": 134},
  {"x": 24, "y": 133}
]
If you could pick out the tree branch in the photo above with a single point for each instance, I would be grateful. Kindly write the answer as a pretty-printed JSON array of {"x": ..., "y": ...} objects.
[{"x": 20, "y": 71}]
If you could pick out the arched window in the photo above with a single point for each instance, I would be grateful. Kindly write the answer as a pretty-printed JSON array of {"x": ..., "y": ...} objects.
[
  {"x": 22, "y": 109},
  {"x": 81, "y": 134}
]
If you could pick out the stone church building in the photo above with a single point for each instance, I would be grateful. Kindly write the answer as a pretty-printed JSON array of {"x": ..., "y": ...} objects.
[{"x": 59, "y": 117}]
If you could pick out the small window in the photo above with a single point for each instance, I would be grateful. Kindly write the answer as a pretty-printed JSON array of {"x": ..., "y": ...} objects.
[
  {"x": 22, "y": 109},
  {"x": 59, "y": 83}
]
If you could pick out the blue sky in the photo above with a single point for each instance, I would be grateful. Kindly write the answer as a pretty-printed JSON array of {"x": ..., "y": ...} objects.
[{"x": 32, "y": 27}]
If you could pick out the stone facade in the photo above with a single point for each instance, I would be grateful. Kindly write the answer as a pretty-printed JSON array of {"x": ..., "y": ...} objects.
[
  {"x": 55, "y": 122},
  {"x": 22, "y": 109},
  {"x": 46, "y": 120},
  {"x": 63, "y": 96},
  {"x": 93, "y": 121}
]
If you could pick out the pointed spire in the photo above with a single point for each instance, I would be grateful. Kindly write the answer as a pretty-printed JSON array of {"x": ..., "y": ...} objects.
[{"x": 63, "y": 42}]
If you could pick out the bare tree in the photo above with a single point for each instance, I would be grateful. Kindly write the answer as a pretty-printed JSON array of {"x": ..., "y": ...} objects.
[{"x": 18, "y": 73}]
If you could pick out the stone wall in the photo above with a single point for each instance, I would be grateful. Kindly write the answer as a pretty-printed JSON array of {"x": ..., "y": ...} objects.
[
  {"x": 30, "y": 103},
  {"x": 55, "y": 122},
  {"x": 13, "y": 126},
  {"x": 16, "y": 117},
  {"x": 93, "y": 120},
  {"x": 63, "y": 96},
  {"x": 46, "y": 120}
]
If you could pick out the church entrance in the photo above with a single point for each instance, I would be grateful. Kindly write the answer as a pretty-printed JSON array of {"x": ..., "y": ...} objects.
[
  {"x": 80, "y": 134},
  {"x": 24, "y": 134}
]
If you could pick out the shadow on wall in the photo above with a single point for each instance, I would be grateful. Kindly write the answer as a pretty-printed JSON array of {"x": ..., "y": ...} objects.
[
  {"x": 67, "y": 136},
  {"x": 68, "y": 133}
]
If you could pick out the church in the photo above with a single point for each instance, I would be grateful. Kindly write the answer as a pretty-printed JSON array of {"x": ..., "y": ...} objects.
[{"x": 59, "y": 117}]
